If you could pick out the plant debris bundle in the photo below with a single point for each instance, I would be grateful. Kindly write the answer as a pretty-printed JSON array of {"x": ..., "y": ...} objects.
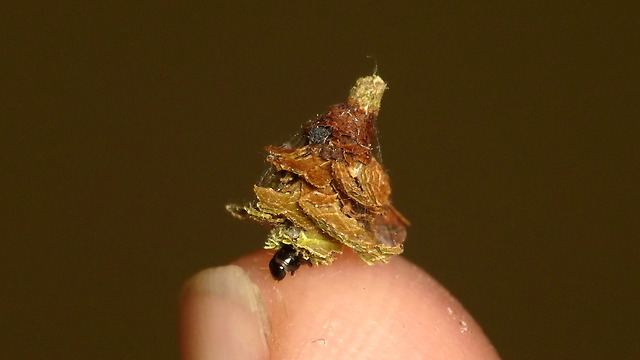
[{"x": 331, "y": 191}]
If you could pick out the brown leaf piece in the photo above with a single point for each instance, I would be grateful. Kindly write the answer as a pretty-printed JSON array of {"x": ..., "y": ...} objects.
[{"x": 331, "y": 191}]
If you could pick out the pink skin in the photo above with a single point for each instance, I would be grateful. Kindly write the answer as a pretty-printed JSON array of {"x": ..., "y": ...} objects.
[{"x": 348, "y": 310}]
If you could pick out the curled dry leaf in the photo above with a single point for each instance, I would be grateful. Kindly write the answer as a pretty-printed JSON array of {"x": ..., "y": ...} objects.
[{"x": 331, "y": 191}]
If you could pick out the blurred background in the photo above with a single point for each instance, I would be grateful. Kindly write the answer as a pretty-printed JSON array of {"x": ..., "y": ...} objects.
[{"x": 509, "y": 131}]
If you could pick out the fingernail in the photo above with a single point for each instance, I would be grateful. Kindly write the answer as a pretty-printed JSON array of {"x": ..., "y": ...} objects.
[{"x": 223, "y": 316}]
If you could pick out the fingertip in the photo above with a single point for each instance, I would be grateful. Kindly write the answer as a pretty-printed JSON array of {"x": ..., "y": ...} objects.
[
  {"x": 222, "y": 316},
  {"x": 353, "y": 310}
]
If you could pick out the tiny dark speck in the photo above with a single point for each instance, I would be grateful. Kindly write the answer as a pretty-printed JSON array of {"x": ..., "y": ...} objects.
[{"x": 319, "y": 134}]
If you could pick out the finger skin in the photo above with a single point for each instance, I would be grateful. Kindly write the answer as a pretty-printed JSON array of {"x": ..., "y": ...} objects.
[
  {"x": 222, "y": 316},
  {"x": 350, "y": 310}
]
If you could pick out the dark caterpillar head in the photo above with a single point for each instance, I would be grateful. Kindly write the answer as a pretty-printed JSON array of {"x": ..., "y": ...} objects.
[{"x": 284, "y": 260}]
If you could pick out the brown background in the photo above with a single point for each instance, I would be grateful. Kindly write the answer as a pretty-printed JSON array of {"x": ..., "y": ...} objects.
[{"x": 507, "y": 131}]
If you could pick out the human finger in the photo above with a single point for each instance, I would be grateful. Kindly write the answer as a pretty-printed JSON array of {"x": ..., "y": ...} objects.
[
  {"x": 351, "y": 310},
  {"x": 346, "y": 310}
]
